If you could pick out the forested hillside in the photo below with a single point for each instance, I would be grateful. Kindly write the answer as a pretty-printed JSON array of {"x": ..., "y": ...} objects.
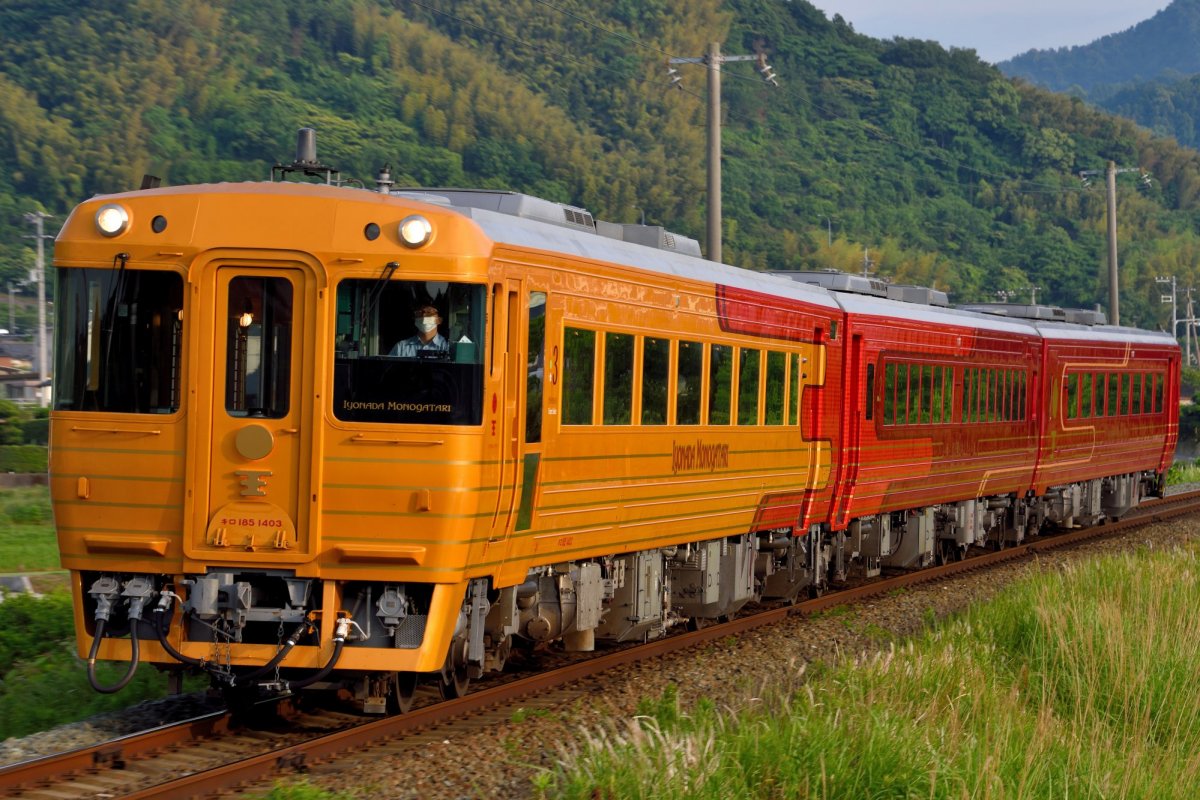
[{"x": 948, "y": 172}]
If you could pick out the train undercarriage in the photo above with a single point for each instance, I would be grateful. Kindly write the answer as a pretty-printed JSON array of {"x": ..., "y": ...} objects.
[{"x": 629, "y": 597}]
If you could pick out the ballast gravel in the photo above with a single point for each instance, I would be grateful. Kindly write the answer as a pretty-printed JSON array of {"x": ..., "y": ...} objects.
[{"x": 505, "y": 761}]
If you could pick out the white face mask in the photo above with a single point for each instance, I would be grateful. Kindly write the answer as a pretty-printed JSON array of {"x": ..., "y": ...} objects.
[{"x": 426, "y": 324}]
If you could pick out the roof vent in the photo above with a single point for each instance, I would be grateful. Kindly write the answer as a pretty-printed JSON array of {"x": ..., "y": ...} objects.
[
  {"x": 649, "y": 235},
  {"x": 836, "y": 281},
  {"x": 921, "y": 295},
  {"x": 1086, "y": 316},
  {"x": 577, "y": 216},
  {"x": 519, "y": 205},
  {"x": 1017, "y": 311}
]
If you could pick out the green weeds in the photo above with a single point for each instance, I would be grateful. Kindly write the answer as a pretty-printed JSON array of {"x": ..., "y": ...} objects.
[{"x": 1078, "y": 682}]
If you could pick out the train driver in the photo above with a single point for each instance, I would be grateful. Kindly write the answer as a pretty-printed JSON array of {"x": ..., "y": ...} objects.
[{"x": 428, "y": 340}]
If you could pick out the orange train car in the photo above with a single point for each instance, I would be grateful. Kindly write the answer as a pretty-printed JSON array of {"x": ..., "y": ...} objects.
[{"x": 312, "y": 436}]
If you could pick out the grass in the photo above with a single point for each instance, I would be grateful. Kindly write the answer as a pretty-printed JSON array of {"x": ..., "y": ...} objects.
[
  {"x": 1077, "y": 683},
  {"x": 1184, "y": 472},
  {"x": 27, "y": 539}
]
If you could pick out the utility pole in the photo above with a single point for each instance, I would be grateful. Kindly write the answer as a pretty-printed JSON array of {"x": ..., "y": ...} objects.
[
  {"x": 829, "y": 225},
  {"x": 38, "y": 218},
  {"x": 1114, "y": 286},
  {"x": 867, "y": 262},
  {"x": 713, "y": 60},
  {"x": 1162, "y": 298}
]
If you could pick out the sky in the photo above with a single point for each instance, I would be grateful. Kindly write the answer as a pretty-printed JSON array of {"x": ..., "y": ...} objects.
[{"x": 996, "y": 29}]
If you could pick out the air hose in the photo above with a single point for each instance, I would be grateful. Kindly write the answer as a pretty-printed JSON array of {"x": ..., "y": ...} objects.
[
  {"x": 164, "y": 603},
  {"x": 339, "y": 641},
  {"x": 133, "y": 657},
  {"x": 279, "y": 657}
]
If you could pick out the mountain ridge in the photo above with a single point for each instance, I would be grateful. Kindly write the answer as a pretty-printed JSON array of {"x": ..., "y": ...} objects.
[{"x": 1163, "y": 45}]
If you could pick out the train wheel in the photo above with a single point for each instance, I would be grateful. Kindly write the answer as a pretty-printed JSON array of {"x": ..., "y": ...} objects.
[
  {"x": 455, "y": 680},
  {"x": 401, "y": 690},
  {"x": 455, "y": 683}
]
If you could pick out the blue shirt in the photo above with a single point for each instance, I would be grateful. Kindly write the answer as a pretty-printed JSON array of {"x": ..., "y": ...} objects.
[{"x": 407, "y": 348}]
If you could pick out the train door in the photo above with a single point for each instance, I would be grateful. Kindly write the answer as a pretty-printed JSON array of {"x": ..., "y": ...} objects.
[
  {"x": 859, "y": 406},
  {"x": 506, "y": 358},
  {"x": 257, "y": 418}
]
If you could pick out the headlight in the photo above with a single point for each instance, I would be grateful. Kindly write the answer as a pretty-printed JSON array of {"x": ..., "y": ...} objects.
[
  {"x": 415, "y": 231},
  {"x": 112, "y": 219}
]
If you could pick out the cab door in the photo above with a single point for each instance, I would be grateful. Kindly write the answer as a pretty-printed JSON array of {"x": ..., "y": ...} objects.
[
  {"x": 258, "y": 418},
  {"x": 506, "y": 356}
]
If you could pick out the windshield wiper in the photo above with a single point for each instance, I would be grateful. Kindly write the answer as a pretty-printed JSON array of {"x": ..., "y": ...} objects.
[{"x": 374, "y": 295}]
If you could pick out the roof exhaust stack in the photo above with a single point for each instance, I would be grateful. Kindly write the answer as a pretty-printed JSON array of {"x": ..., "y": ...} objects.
[
  {"x": 306, "y": 146},
  {"x": 306, "y": 162}
]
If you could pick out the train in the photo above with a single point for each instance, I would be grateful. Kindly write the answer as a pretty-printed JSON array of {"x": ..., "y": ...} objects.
[{"x": 313, "y": 435}]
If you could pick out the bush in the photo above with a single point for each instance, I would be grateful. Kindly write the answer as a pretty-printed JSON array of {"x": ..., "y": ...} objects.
[
  {"x": 23, "y": 458},
  {"x": 36, "y": 431},
  {"x": 20, "y": 614}
]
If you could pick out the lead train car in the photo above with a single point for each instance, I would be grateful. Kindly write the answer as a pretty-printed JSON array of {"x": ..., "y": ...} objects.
[{"x": 610, "y": 438}]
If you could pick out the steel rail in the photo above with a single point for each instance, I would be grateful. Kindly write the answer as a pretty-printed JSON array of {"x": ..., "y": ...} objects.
[{"x": 113, "y": 754}]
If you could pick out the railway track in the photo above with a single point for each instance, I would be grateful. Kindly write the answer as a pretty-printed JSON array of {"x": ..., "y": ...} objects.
[{"x": 210, "y": 754}]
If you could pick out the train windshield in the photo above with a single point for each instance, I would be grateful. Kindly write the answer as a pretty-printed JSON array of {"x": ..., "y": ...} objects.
[
  {"x": 119, "y": 338},
  {"x": 409, "y": 352}
]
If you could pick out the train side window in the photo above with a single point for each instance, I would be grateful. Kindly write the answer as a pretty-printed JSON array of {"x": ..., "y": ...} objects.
[
  {"x": 1158, "y": 394},
  {"x": 618, "y": 378},
  {"x": 535, "y": 367},
  {"x": 997, "y": 398},
  {"x": 1130, "y": 384},
  {"x": 776, "y": 373},
  {"x": 579, "y": 367},
  {"x": 656, "y": 368},
  {"x": 985, "y": 394},
  {"x": 1010, "y": 386},
  {"x": 997, "y": 395},
  {"x": 689, "y": 382},
  {"x": 889, "y": 394},
  {"x": 1019, "y": 377},
  {"x": 1098, "y": 394},
  {"x": 1073, "y": 396},
  {"x": 1002, "y": 408},
  {"x": 1113, "y": 393},
  {"x": 1139, "y": 392},
  {"x": 966, "y": 395},
  {"x": 794, "y": 394},
  {"x": 1123, "y": 396},
  {"x": 913, "y": 391},
  {"x": 971, "y": 395},
  {"x": 926, "y": 404},
  {"x": 947, "y": 394},
  {"x": 749, "y": 369},
  {"x": 870, "y": 398},
  {"x": 720, "y": 382},
  {"x": 1085, "y": 395}
]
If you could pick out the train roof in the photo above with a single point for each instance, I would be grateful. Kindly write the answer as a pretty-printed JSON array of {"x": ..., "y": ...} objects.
[
  {"x": 506, "y": 227},
  {"x": 525, "y": 221}
]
